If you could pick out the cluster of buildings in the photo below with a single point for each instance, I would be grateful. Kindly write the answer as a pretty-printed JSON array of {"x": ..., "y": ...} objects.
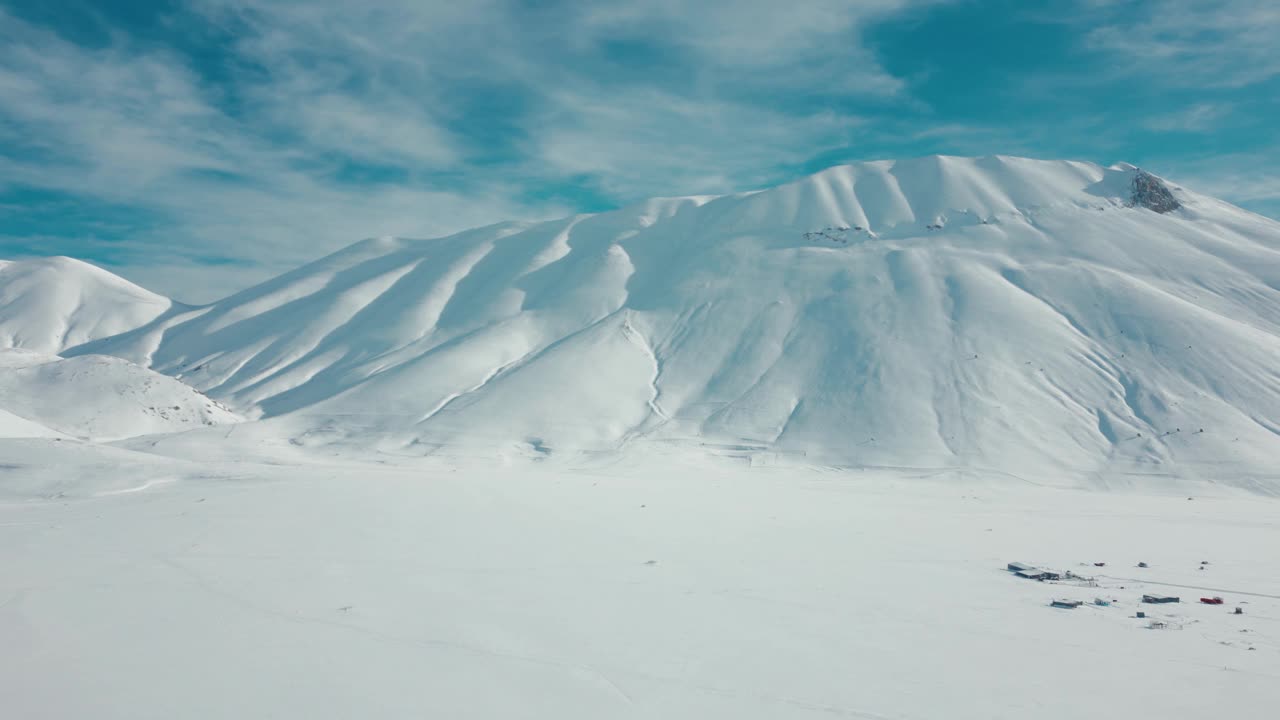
[{"x": 1031, "y": 572}]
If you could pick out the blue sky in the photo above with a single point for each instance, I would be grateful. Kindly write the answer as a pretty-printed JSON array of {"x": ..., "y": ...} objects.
[{"x": 199, "y": 146}]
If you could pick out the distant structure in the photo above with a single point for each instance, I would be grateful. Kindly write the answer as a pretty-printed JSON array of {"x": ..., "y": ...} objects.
[
  {"x": 1032, "y": 572},
  {"x": 1160, "y": 599}
]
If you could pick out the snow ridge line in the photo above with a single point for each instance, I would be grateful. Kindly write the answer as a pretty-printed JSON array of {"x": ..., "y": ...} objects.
[
  {"x": 449, "y": 400},
  {"x": 519, "y": 362},
  {"x": 642, "y": 342}
]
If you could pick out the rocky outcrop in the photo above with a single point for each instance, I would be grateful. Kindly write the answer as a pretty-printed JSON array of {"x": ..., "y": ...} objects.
[{"x": 1150, "y": 192}]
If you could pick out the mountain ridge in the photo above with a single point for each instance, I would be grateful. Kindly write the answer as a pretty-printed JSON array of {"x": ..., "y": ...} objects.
[{"x": 999, "y": 311}]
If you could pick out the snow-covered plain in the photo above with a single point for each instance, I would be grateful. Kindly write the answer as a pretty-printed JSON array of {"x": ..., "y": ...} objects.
[
  {"x": 664, "y": 586},
  {"x": 764, "y": 455}
]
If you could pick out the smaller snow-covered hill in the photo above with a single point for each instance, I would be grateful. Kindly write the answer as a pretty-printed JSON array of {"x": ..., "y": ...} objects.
[
  {"x": 51, "y": 304},
  {"x": 12, "y": 426},
  {"x": 96, "y": 398}
]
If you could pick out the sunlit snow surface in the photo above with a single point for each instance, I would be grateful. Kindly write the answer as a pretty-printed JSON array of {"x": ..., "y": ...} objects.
[{"x": 661, "y": 587}]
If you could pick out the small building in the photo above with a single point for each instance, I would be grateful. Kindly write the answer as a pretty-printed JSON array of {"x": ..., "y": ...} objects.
[
  {"x": 1159, "y": 599},
  {"x": 1032, "y": 572},
  {"x": 1068, "y": 604}
]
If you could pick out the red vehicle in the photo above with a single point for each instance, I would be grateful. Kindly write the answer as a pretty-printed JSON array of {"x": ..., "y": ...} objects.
[{"x": 1211, "y": 601}]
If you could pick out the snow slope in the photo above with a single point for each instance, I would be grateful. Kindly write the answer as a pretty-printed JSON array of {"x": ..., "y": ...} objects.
[
  {"x": 13, "y": 426},
  {"x": 51, "y": 304},
  {"x": 97, "y": 398},
  {"x": 992, "y": 312}
]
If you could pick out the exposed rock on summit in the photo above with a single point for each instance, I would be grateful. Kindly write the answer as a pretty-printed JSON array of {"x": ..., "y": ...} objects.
[{"x": 1151, "y": 193}]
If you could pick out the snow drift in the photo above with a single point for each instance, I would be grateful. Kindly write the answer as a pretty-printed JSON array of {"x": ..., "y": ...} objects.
[{"x": 990, "y": 312}]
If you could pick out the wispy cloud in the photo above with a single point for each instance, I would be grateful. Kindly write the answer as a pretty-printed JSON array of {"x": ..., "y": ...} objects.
[
  {"x": 735, "y": 41},
  {"x": 139, "y": 128},
  {"x": 1201, "y": 117},
  {"x": 647, "y": 142},
  {"x": 1250, "y": 185},
  {"x": 1241, "y": 178},
  {"x": 323, "y": 122},
  {"x": 1194, "y": 43},
  {"x": 235, "y": 138}
]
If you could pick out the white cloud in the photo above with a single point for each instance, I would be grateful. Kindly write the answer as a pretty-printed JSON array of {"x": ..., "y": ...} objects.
[
  {"x": 645, "y": 142},
  {"x": 1249, "y": 186},
  {"x": 1239, "y": 178},
  {"x": 1201, "y": 117},
  {"x": 814, "y": 39},
  {"x": 250, "y": 166},
  {"x": 1195, "y": 43},
  {"x": 136, "y": 128}
]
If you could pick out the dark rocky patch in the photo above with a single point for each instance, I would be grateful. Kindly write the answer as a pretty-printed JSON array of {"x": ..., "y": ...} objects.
[{"x": 1150, "y": 192}]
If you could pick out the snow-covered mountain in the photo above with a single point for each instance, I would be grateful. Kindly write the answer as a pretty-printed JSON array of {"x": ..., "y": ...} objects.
[
  {"x": 989, "y": 312},
  {"x": 96, "y": 398},
  {"x": 50, "y": 304}
]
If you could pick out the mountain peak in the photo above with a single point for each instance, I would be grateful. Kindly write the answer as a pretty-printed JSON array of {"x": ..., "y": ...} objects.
[
  {"x": 1151, "y": 193},
  {"x": 886, "y": 195},
  {"x": 51, "y": 304}
]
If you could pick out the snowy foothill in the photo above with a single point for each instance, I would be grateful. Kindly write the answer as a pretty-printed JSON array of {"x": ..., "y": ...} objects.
[
  {"x": 100, "y": 398},
  {"x": 764, "y": 455}
]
